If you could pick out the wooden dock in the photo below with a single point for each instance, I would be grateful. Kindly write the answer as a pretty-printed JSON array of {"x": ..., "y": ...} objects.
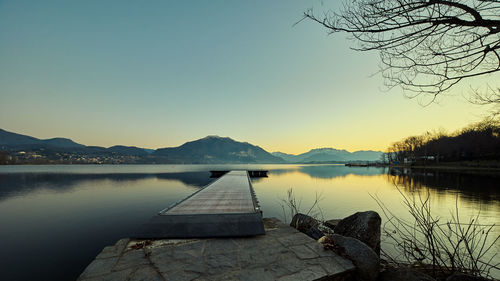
[
  {"x": 226, "y": 207},
  {"x": 251, "y": 173}
]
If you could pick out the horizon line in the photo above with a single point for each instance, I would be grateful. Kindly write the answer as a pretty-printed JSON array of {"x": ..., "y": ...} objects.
[{"x": 208, "y": 136}]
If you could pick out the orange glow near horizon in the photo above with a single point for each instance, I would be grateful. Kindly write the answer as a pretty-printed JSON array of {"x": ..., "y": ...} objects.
[{"x": 150, "y": 83}]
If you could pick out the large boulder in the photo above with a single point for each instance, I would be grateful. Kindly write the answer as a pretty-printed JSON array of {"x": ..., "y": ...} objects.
[
  {"x": 331, "y": 223},
  {"x": 363, "y": 257},
  {"x": 364, "y": 226},
  {"x": 307, "y": 225},
  {"x": 303, "y": 222},
  {"x": 403, "y": 274}
]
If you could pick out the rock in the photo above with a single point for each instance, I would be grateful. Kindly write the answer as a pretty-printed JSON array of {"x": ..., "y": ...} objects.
[
  {"x": 403, "y": 274},
  {"x": 364, "y": 226},
  {"x": 363, "y": 257},
  {"x": 303, "y": 222},
  {"x": 307, "y": 225},
  {"x": 457, "y": 276},
  {"x": 331, "y": 223},
  {"x": 314, "y": 233}
]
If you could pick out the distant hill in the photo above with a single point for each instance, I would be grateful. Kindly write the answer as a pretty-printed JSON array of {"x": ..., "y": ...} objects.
[
  {"x": 366, "y": 155},
  {"x": 61, "y": 142},
  {"x": 330, "y": 155},
  {"x": 129, "y": 150},
  {"x": 208, "y": 150},
  {"x": 10, "y": 139},
  {"x": 215, "y": 149},
  {"x": 212, "y": 149},
  {"x": 285, "y": 156}
]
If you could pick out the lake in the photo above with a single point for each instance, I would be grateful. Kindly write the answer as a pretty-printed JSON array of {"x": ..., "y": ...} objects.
[{"x": 55, "y": 219}]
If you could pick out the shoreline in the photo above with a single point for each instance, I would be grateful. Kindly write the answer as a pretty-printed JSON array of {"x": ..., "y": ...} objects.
[
  {"x": 447, "y": 167},
  {"x": 458, "y": 166}
]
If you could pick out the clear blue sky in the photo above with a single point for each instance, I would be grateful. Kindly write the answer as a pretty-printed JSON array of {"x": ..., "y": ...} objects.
[{"x": 159, "y": 73}]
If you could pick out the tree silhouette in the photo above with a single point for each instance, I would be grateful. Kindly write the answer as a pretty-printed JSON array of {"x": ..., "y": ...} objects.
[
  {"x": 478, "y": 141},
  {"x": 426, "y": 47}
]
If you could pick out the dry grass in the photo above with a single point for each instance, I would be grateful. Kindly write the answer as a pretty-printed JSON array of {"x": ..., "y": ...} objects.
[
  {"x": 291, "y": 206},
  {"x": 441, "y": 247}
]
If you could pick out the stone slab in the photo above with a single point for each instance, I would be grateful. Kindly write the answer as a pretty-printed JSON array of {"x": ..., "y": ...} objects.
[{"x": 282, "y": 254}]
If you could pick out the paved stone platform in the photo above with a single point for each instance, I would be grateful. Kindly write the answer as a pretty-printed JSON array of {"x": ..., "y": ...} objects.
[{"x": 282, "y": 254}]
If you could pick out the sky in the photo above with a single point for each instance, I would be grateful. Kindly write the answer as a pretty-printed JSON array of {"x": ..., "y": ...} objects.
[{"x": 159, "y": 73}]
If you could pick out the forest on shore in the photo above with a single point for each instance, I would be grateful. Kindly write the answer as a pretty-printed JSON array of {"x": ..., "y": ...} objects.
[{"x": 477, "y": 144}]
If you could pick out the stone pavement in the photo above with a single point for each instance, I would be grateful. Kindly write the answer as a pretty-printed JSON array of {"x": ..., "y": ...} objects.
[{"x": 282, "y": 254}]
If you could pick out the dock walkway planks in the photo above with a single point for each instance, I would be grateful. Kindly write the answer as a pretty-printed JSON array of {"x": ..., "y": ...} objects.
[
  {"x": 226, "y": 207},
  {"x": 231, "y": 193}
]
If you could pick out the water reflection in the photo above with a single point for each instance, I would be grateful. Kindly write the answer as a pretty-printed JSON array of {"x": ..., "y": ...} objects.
[
  {"x": 482, "y": 186},
  {"x": 476, "y": 185},
  {"x": 335, "y": 171},
  {"x": 329, "y": 171},
  {"x": 93, "y": 206},
  {"x": 346, "y": 190},
  {"x": 19, "y": 184}
]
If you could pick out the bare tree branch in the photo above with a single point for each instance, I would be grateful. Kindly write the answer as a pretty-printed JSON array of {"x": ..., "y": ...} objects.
[{"x": 425, "y": 46}]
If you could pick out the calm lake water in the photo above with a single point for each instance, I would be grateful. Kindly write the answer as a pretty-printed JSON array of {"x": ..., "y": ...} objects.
[{"x": 55, "y": 219}]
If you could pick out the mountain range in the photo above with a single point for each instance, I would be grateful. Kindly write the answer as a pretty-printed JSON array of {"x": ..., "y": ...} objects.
[
  {"x": 330, "y": 155},
  {"x": 18, "y": 148},
  {"x": 215, "y": 149}
]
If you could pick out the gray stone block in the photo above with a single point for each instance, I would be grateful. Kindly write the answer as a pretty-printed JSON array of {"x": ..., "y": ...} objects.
[
  {"x": 115, "y": 250},
  {"x": 289, "y": 255},
  {"x": 304, "y": 252},
  {"x": 111, "y": 276},
  {"x": 146, "y": 273},
  {"x": 99, "y": 267},
  {"x": 294, "y": 239},
  {"x": 130, "y": 259},
  {"x": 309, "y": 273},
  {"x": 183, "y": 276},
  {"x": 261, "y": 274}
]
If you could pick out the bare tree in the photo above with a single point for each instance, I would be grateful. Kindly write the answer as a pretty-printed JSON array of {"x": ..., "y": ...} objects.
[{"x": 425, "y": 46}]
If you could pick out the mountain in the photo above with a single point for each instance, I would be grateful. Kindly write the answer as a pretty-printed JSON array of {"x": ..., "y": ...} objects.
[
  {"x": 330, "y": 155},
  {"x": 128, "y": 150},
  {"x": 61, "y": 142},
  {"x": 285, "y": 156},
  {"x": 316, "y": 155},
  {"x": 324, "y": 154},
  {"x": 208, "y": 150},
  {"x": 10, "y": 139},
  {"x": 366, "y": 155},
  {"x": 322, "y": 157},
  {"x": 22, "y": 149},
  {"x": 215, "y": 149}
]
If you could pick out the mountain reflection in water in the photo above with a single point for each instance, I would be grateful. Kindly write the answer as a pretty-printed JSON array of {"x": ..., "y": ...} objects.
[{"x": 17, "y": 184}]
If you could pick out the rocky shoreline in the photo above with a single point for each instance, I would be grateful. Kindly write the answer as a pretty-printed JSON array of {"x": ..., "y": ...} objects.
[
  {"x": 345, "y": 249},
  {"x": 357, "y": 238}
]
